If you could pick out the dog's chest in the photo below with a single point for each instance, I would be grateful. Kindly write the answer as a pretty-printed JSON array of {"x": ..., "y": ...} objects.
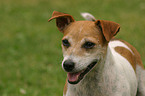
[
  {"x": 84, "y": 89},
  {"x": 107, "y": 85}
]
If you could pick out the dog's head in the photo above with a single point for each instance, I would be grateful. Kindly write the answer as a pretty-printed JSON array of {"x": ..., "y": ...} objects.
[{"x": 84, "y": 43}]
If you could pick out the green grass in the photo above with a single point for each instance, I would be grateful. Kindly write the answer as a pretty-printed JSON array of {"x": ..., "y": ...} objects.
[{"x": 30, "y": 51}]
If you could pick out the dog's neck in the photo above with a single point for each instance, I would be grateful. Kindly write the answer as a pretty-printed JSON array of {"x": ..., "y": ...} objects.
[{"x": 87, "y": 87}]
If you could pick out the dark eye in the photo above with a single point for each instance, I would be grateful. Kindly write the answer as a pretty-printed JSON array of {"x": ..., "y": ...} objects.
[
  {"x": 65, "y": 43},
  {"x": 88, "y": 45}
]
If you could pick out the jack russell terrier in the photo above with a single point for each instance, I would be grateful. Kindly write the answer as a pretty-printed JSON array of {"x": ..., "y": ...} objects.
[{"x": 95, "y": 62}]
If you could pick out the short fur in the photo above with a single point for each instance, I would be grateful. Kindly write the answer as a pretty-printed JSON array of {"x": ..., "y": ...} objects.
[{"x": 119, "y": 70}]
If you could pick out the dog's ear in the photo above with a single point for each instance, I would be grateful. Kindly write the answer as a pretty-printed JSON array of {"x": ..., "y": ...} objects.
[
  {"x": 62, "y": 20},
  {"x": 108, "y": 28}
]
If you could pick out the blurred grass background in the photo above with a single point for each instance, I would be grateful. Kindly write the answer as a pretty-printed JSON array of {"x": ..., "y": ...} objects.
[{"x": 30, "y": 47}]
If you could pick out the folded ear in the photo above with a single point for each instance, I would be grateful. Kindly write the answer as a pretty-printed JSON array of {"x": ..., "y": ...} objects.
[
  {"x": 108, "y": 28},
  {"x": 62, "y": 20}
]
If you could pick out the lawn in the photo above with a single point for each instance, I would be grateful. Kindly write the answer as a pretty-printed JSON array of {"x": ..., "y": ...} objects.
[{"x": 30, "y": 47}]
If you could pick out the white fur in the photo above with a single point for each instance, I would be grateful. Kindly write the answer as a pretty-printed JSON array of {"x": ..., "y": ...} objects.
[
  {"x": 122, "y": 64},
  {"x": 112, "y": 76},
  {"x": 141, "y": 80},
  {"x": 88, "y": 16}
]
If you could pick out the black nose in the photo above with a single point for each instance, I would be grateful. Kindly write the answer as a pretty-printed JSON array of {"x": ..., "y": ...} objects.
[{"x": 68, "y": 65}]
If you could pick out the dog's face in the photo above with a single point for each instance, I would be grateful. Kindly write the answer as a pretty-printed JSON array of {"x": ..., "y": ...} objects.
[{"x": 84, "y": 44}]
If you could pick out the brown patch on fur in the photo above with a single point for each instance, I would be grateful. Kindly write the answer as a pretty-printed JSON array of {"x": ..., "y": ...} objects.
[
  {"x": 65, "y": 88},
  {"x": 80, "y": 31},
  {"x": 137, "y": 57},
  {"x": 127, "y": 54}
]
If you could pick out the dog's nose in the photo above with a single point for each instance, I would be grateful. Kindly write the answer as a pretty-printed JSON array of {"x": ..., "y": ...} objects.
[{"x": 68, "y": 65}]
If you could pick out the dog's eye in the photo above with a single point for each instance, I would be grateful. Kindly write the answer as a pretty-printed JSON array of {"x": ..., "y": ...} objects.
[
  {"x": 65, "y": 43},
  {"x": 88, "y": 45}
]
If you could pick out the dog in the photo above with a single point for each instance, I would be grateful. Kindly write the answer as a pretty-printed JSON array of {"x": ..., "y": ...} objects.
[{"x": 96, "y": 63}]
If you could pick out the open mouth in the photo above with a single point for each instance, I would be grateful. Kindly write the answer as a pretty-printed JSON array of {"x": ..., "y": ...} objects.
[{"x": 74, "y": 78}]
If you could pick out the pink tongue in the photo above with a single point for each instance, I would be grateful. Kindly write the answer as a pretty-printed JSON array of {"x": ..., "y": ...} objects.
[{"x": 73, "y": 76}]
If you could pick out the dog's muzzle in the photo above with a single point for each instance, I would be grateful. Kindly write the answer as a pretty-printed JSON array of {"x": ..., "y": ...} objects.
[{"x": 76, "y": 77}]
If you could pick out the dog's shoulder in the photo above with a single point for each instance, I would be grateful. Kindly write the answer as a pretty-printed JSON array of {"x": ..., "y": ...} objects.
[{"x": 127, "y": 51}]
